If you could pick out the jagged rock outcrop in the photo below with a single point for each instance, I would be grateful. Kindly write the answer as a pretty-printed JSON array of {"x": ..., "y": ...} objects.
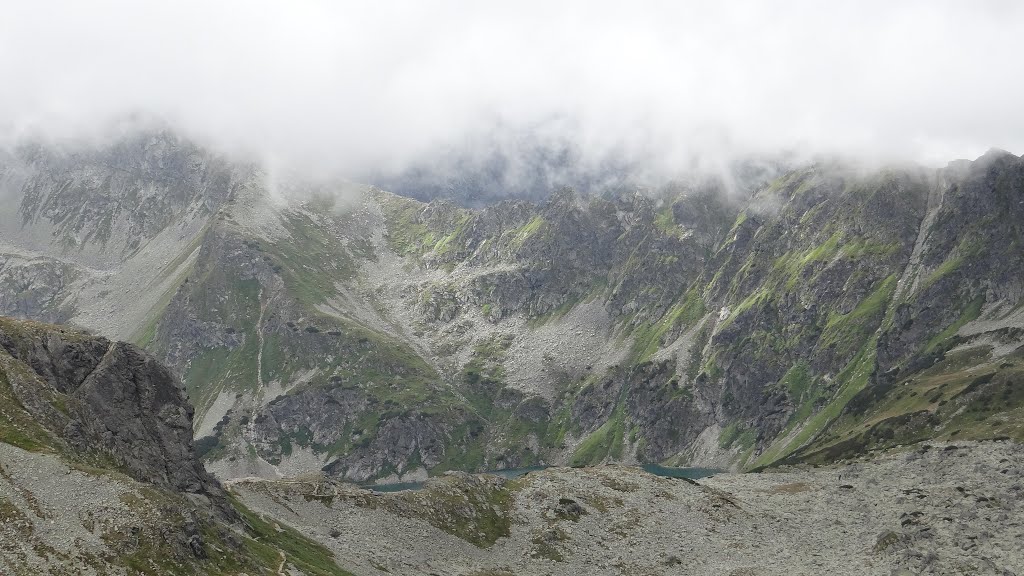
[
  {"x": 109, "y": 400},
  {"x": 98, "y": 474},
  {"x": 969, "y": 261},
  {"x": 106, "y": 202}
]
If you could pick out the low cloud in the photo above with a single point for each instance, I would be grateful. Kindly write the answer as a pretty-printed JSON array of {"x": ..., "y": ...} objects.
[{"x": 375, "y": 87}]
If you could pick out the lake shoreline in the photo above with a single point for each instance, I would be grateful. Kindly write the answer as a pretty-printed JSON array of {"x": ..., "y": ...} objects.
[{"x": 687, "y": 473}]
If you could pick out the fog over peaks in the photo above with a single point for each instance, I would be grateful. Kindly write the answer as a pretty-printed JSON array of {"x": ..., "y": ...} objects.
[{"x": 371, "y": 89}]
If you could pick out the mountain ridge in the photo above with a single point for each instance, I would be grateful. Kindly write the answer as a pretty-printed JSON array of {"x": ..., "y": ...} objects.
[{"x": 379, "y": 337}]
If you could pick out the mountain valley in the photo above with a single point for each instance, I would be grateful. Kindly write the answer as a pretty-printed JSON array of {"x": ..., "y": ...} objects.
[{"x": 337, "y": 327}]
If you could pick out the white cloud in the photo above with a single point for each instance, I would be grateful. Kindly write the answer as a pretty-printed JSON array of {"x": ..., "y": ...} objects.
[{"x": 351, "y": 87}]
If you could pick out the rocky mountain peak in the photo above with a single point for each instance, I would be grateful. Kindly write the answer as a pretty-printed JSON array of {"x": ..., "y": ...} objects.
[{"x": 106, "y": 400}]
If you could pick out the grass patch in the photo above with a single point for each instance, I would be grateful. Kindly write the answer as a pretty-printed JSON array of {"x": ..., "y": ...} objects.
[
  {"x": 145, "y": 336},
  {"x": 607, "y": 441},
  {"x": 265, "y": 540},
  {"x": 970, "y": 314},
  {"x": 311, "y": 261},
  {"x": 527, "y": 231},
  {"x": 790, "y": 266},
  {"x": 407, "y": 234},
  {"x": 847, "y": 332},
  {"x": 18, "y": 427},
  {"x": 647, "y": 338},
  {"x": 797, "y": 381},
  {"x": 850, "y": 381},
  {"x": 736, "y": 435},
  {"x": 967, "y": 249},
  {"x": 965, "y": 396},
  {"x": 665, "y": 222},
  {"x": 476, "y": 509}
]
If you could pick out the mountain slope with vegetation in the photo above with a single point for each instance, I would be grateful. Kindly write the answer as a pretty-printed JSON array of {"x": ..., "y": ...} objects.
[{"x": 327, "y": 326}]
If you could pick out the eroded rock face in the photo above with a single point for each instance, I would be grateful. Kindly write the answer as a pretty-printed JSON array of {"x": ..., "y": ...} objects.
[
  {"x": 107, "y": 398},
  {"x": 133, "y": 408},
  {"x": 36, "y": 288},
  {"x": 107, "y": 202},
  {"x": 971, "y": 259}
]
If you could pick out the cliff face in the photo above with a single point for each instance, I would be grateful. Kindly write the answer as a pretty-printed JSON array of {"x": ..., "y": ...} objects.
[
  {"x": 105, "y": 400},
  {"x": 97, "y": 235},
  {"x": 98, "y": 474},
  {"x": 823, "y": 312}
]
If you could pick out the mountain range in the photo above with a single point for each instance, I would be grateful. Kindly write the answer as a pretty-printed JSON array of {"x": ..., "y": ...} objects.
[{"x": 813, "y": 312}]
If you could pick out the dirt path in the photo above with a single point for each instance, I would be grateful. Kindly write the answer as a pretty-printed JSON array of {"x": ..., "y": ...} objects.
[{"x": 280, "y": 568}]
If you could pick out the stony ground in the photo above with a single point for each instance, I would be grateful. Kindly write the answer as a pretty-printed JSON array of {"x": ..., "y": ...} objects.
[
  {"x": 940, "y": 509},
  {"x": 62, "y": 519},
  {"x": 56, "y": 519}
]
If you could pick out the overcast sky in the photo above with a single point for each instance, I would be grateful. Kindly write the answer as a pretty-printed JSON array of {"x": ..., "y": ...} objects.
[{"x": 357, "y": 86}]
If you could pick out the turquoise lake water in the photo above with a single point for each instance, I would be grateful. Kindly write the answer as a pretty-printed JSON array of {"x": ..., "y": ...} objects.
[{"x": 688, "y": 473}]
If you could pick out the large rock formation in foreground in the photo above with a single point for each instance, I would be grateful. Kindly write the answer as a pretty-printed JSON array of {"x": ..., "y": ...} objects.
[
  {"x": 108, "y": 400},
  {"x": 98, "y": 474}
]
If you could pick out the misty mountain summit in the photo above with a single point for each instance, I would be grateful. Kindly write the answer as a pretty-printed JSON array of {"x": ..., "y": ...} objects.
[{"x": 438, "y": 288}]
